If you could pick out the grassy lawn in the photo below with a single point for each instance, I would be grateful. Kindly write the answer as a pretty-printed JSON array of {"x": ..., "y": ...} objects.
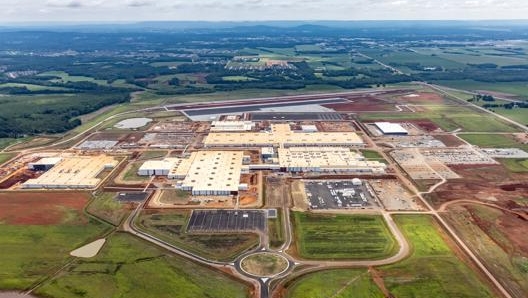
[
  {"x": 105, "y": 206},
  {"x": 515, "y": 165},
  {"x": 492, "y": 141},
  {"x": 129, "y": 267},
  {"x": 517, "y": 115},
  {"x": 374, "y": 155},
  {"x": 174, "y": 196},
  {"x": 171, "y": 226},
  {"x": 153, "y": 154},
  {"x": 433, "y": 270},
  {"x": 275, "y": 230},
  {"x": 338, "y": 283},
  {"x": 131, "y": 173},
  {"x": 321, "y": 236},
  {"x": 31, "y": 252}
]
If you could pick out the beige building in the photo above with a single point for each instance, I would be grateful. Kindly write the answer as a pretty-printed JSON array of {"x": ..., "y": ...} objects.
[
  {"x": 326, "y": 159},
  {"x": 78, "y": 172},
  {"x": 281, "y": 135},
  {"x": 213, "y": 173}
]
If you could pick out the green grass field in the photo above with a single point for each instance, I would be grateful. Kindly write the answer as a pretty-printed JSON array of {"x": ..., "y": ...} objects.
[
  {"x": 492, "y": 141},
  {"x": 322, "y": 236},
  {"x": 433, "y": 270},
  {"x": 105, "y": 206},
  {"x": 450, "y": 118},
  {"x": 32, "y": 87},
  {"x": 131, "y": 173},
  {"x": 5, "y": 157},
  {"x": 514, "y": 88},
  {"x": 31, "y": 252},
  {"x": 515, "y": 165},
  {"x": 171, "y": 226},
  {"x": 129, "y": 267},
  {"x": 338, "y": 283},
  {"x": 65, "y": 77}
]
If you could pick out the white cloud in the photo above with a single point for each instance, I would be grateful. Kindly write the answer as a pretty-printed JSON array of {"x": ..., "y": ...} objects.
[{"x": 138, "y": 10}]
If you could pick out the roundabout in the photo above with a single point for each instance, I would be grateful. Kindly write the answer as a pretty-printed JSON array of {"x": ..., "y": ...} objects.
[{"x": 264, "y": 264}]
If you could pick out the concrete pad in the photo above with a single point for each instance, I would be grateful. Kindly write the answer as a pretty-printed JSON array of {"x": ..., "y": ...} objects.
[{"x": 89, "y": 250}]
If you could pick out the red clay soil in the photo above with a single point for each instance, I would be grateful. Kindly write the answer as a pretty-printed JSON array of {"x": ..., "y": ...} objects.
[
  {"x": 450, "y": 140},
  {"x": 425, "y": 125},
  {"x": 361, "y": 104},
  {"x": 46, "y": 208},
  {"x": 423, "y": 98},
  {"x": 511, "y": 226},
  {"x": 21, "y": 177}
]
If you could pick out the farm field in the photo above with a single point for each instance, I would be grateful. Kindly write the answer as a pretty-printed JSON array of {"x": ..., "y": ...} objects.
[
  {"x": 171, "y": 226},
  {"x": 482, "y": 228},
  {"x": 433, "y": 269},
  {"x": 5, "y": 157},
  {"x": 339, "y": 283},
  {"x": 129, "y": 267},
  {"x": 36, "y": 241},
  {"x": 322, "y": 236}
]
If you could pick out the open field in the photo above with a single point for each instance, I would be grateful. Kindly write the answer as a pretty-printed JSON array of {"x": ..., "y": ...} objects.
[
  {"x": 31, "y": 87},
  {"x": 339, "y": 283},
  {"x": 322, "y": 236},
  {"x": 449, "y": 118},
  {"x": 129, "y": 267},
  {"x": 5, "y": 157},
  {"x": 105, "y": 206},
  {"x": 515, "y": 165},
  {"x": 171, "y": 227},
  {"x": 64, "y": 77},
  {"x": 38, "y": 231},
  {"x": 514, "y": 88},
  {"x": 517, "y": 115},
  {"x": 433, "y": 269},
  {"x": 493, "y": 141},
  {"x": 131, "y": 172},
  {"x": 497, "y": 238}
]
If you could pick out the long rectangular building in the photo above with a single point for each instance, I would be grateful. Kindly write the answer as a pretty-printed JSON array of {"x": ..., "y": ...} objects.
[
  {"x": 281, "y": 135},
  {"x": 73, "y": 172},
  {"x": 326, "y": 159}
]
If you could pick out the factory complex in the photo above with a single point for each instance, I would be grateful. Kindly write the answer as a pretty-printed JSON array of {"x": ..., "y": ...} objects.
[{"x": 281, "y": 135}]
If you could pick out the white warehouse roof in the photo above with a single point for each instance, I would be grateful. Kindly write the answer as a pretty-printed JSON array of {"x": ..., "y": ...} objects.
[{"x": 391, "y": 128}]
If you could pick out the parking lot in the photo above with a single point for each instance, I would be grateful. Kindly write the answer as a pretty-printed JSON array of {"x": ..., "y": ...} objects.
[
  {"x": 227, "y": 221},
  {"x": 339, "y": 195}
]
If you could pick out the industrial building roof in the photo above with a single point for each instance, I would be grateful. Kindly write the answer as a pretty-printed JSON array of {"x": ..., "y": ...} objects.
[
  {"x": 232, "y": 125},
  {"x": 325, "y": 157},
  {"x": 165, "y": 164},
  {"x": 74, "y": 172},
  {"x": 281, "y": 134},
  {"x": 391, "y": 128},
  {"x": 214, "y": 171}
]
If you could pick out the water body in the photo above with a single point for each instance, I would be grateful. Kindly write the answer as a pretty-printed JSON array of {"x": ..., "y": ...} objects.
[{"x": 133, "y": 123}]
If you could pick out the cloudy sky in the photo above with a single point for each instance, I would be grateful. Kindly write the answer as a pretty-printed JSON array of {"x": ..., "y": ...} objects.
[{"x": 243, "y": 10}]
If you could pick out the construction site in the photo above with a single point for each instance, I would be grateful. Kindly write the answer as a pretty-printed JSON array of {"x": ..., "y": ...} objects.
[{"x": 265, "y": 177}]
